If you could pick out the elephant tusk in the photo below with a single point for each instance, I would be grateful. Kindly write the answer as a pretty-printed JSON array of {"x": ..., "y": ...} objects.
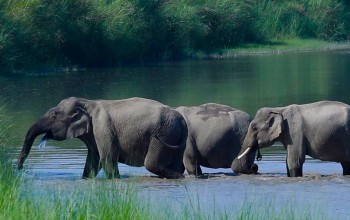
[{"x": 244, "y": 153}]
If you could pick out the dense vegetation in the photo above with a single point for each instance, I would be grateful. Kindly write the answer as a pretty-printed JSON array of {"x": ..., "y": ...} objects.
[{"x": 111, "y": 32}]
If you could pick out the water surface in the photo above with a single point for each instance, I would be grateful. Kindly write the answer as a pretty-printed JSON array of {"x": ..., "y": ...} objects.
[{"x": 246, "y": 82}]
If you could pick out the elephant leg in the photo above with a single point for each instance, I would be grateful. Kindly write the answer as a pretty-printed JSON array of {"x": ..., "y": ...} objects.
[
  {"x": 107, "y": 148},
  {"x": 160, "y": 170},
  {"x": 92, "y": 165},
  {"x": 110, "y": 167},
  {"x": 295, "y": 161},
  {"x": 190, "y": 160},
  {"x": 295, "y": 172},
  {"x": 288, "y": 174},
  {"x": 177, "y": 163},
  {"x": 109, "y": 162},
  {"x": 160, "y": 160},
  {"x": 346, "y": 168}
]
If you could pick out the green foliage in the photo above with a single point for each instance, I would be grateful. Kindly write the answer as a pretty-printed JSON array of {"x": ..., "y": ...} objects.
[
  {"x": 111, "y": 32},
  {"x": 226, "y": 23},
  {"x": 123, "y": 27},
  {"x": 322, "y": 19},
  {"x": 59, "y": 32}
]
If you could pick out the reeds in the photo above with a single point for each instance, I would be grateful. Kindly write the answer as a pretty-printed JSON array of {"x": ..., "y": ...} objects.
[
  {"x": 111, "y": 32},
  {"x": 321, "y": 19}
]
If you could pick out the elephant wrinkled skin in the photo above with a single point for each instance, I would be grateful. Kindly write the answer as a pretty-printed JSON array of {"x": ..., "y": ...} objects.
[
  {"x": 216, "y": 134},
  {"x": 135, "y": 131},
  {"x": 320, "y": 130}
]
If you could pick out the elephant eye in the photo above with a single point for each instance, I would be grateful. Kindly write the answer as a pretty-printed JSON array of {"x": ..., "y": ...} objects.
[
  {"x": 74, "y": 115},
  {"x": 253, "y": 126}
]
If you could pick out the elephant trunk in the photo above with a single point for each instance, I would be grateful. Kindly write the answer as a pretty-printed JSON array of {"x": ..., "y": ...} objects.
[
  {"x": 34, "y": 131},
  {"x": 249, "y": 140},
  {"x": 244, "y": 163}
]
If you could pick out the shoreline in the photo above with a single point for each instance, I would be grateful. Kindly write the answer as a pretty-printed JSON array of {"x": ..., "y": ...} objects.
[
  {"x": 273, "y": 47},
  {"x": 283, "y": 47}
]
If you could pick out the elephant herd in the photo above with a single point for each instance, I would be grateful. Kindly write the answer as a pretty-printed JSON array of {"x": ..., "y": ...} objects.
[{"x": 166, "y": 140}]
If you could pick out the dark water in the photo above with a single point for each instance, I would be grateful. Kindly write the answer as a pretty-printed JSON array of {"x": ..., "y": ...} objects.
[{"x": 246, "y": 82}]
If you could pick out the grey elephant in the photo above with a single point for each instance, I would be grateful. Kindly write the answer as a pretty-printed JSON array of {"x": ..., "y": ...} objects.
[
  {"x": 215, "y": 136},
  {"x": 135, "y": 131},
  {"x": 320, "y": 130}
]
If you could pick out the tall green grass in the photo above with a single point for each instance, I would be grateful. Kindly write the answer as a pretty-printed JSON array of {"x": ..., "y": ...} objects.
[
  {"x": 42, "y": 33},
  {"x": 322, "y": 19},
  {"x": 91, "y": 202},
  {"x": 8, "y": 183}
]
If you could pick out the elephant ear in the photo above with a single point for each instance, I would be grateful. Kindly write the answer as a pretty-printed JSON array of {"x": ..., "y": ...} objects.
[
  {"x": 80, "y": 124},
  {"x": 276, "y": 125}
]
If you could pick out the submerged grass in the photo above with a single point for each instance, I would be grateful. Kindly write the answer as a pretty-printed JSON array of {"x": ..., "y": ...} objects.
[{"x": 266, "y": 210}]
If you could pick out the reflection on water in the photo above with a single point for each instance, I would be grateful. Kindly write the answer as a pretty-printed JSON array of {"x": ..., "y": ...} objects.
[
  {"x": 247, "y": 83},
  {"x": 68, "y": 163}
]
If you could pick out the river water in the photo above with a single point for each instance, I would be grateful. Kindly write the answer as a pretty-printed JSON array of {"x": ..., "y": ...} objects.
[{"x": 244, "y": 82}]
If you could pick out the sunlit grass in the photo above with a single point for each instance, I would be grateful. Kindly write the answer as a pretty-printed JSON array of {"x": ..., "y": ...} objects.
[
  {"x": 89, "y": 202},
  {"x": 284, "y": 46}
]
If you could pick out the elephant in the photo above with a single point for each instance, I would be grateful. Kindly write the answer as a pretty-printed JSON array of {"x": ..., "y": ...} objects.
[
  {"x": 215, "y": 136},
  {"x": 135, "y": 131},
  {"x": 320, "y": 130}
]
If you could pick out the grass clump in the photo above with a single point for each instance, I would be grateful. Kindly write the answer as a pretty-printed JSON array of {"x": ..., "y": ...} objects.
[
  {"x": 319, "y": 19},
  {"x": 8, "y": 183},
  {"x": 89, "y": 202}
]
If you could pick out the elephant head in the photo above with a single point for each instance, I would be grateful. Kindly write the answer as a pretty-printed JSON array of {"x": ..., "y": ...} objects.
[
  {"x": 266, "y": 128},
  {"x": 69, "y": 119}
]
